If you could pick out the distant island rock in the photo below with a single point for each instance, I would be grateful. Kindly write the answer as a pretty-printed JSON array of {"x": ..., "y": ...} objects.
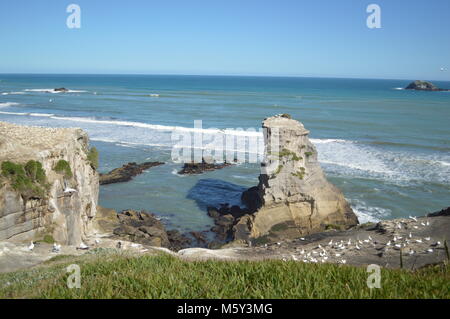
[
  {"x": 61, "y": 90},
  {"x": 423, "y": 86}
]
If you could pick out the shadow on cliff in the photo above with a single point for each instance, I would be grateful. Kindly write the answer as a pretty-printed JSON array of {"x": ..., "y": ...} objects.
[{"x": 213, "y": 192}]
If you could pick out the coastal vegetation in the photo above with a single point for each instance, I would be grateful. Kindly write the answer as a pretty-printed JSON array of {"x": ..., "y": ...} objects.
[
  {"x": 119, "y": 275},
  {"x": 29, "y": 179},
  {"x": 300, "y": 174},
  {"x": 285, "y": 153},
  {"x": 93, "y": 157},
  {"x": 63, "y": 167}
]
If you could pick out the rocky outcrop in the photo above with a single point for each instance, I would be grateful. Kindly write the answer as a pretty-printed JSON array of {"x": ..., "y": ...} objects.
[
  {"x": 423, "y": 86},
  {"x": 443, "y": 212},
  {"x": 61, "y": 90},
  {"x": 126, "y": 172},
  {"x": 293, "y": 197},
  {"x": 199, "y": 168},
  {"x": 145, "y": 228},
  {"x": 66, "y": 203}
]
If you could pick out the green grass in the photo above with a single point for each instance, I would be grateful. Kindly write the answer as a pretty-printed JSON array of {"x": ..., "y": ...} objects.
[
  {"x": 286, "y": 153},
  {"x": 300, "y": 174},
  {"x": 63, "y": 167},
  {"x": 29, "y": 179},
  {"x": 122, "y": 276},
  {"x": 93, "y": 157},
  {"x": 48, "y": 239},
  {"x": 278, "y": 170}
]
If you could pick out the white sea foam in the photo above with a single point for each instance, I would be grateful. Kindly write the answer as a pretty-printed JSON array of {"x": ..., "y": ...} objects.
[
  {"x": 367, "y": 213},
  {"x": 8, "y": 104},
  {"x": 13, "y": 93},
  {"x": 160, "y": 127},
  {"x": 338, "y": 157},
  {"x": 399, "y": 89},
  {"x": 328, "y": 140},
  {"x": 53, "y": 91}
]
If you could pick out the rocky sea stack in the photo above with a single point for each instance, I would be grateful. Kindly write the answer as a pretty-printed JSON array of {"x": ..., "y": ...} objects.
[{"x": 293, "y": 197}]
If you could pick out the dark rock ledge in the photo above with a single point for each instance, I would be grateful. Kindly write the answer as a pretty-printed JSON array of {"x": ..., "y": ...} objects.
[
  {"x": 199, "y": 168},
  {"x": 145, "y": 228},
  {"x": 126, "y": 172}
]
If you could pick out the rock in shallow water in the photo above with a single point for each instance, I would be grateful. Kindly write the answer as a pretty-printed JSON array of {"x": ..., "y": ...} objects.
[
  {"x": 126, "y": 172},
  {"x": 199, "y": 168}
]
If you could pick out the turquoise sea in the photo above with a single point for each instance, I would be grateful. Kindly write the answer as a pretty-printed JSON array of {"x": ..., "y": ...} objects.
[{"x": 388, "y": 149}]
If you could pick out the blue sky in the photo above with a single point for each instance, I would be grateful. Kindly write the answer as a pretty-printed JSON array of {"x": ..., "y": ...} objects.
[{"x": 327, "y": 38}]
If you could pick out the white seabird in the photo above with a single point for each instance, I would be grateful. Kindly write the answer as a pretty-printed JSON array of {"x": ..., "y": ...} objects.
[
  {"x": 69, "y": 190},
  {"x": 56, "y": 248},
  {"x": 31, "y": 247},
  {"x": 413, "y": 218},
  {"x": 83, "y": 246}
]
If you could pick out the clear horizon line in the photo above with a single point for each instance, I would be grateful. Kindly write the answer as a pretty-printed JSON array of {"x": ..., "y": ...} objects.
[{"x": 222, "y": 75}]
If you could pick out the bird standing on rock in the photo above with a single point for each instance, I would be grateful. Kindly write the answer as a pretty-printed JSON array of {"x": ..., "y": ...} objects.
[
  {"x": 56, "y": 248},
  {"x": 31, "y": 247}
]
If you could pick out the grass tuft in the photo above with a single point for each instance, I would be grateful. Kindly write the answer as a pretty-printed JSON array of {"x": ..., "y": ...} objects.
[
  {"x": 93, "y": 158},
  {"x": 29, "y": 179},
  {"x": 63, "y": 167}
]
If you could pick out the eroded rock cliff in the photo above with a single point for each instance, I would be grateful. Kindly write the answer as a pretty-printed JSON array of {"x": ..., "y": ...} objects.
[
  {"x": 66, "y": 198},
  {"x": 293, "y": 197}
]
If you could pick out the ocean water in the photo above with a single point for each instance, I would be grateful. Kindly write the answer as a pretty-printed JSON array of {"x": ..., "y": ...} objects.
[{"x": 387, "y": 149}]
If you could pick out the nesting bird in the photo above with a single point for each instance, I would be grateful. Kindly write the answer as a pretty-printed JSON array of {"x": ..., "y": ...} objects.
[
  {"x": 83, "y": 246},
  {"x": 56, "y": 248}
]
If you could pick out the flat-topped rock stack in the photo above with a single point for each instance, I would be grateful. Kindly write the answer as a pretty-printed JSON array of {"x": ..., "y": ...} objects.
[{"x": 293, "y": 197}]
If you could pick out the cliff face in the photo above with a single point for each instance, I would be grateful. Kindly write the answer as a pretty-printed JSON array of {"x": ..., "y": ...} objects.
[
  {"x": 68, "y": 202},
  {"x": 293, "y": 197}
]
